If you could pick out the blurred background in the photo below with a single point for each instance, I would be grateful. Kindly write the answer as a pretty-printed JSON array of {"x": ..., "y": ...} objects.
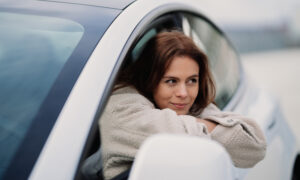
[{"x": 267, "y": 34}]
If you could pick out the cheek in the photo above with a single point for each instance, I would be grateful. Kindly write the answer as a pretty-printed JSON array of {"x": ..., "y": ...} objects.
[
  {"x": 194, "y": 93},
  {"x": 162, "y": 95}
]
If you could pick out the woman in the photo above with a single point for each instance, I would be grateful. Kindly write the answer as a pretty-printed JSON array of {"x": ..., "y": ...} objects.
[{"x": 169, "y": 89}]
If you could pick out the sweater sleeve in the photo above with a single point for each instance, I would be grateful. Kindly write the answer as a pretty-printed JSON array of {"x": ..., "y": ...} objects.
[
  {"x": 136, "y": 114},
  {"x": 129, "y": 118},
  {"x": 241, "y": 136}
]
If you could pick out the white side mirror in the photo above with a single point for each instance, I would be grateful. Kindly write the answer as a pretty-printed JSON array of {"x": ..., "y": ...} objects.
[{"x": 177, "y": 157}]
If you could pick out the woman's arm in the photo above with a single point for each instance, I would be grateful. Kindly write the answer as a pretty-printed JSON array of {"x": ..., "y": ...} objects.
[
  {"x": 241, "y": 136},
  {"x": 129, "y": 118},
  {"x": 137, "y": 115}
]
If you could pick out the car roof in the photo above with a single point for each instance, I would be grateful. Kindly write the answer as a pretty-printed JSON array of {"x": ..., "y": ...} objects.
[{"x": 115, "y": 4}]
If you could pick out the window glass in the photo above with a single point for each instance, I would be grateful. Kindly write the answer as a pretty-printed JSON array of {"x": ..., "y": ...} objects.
[
  {"x": 141, "y": 43},
  {"x": 33, "y": 50},
  {"x": 222, "y": 57}
]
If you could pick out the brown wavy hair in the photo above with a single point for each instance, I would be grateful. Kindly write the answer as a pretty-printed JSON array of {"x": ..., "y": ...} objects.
[{"x": 157, "y": 55}]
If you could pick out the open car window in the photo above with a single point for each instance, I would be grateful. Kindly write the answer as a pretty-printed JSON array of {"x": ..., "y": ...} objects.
[{"x": 222, "y": 57}]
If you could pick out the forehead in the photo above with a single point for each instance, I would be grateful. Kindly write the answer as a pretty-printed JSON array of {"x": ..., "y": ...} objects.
[{"x": 182, "y": 65}]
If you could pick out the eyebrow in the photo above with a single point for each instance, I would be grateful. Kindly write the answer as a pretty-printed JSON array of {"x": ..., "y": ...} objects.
[{"x": 173, "y": 77}]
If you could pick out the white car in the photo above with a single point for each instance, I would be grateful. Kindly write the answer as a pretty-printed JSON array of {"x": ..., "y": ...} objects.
[{"x": 59, "y": 60}]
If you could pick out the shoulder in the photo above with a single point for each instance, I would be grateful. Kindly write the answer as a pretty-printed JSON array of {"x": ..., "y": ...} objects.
[
  {"x": 128, "y": 97},
  {"x": 210, "y": 110}
]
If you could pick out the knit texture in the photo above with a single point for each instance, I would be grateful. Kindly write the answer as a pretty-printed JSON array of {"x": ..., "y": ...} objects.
[{"x": 129, "y": 118}]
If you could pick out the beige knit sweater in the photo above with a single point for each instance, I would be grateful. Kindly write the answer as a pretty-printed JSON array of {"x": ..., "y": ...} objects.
[{"x": 129, "y": 118}]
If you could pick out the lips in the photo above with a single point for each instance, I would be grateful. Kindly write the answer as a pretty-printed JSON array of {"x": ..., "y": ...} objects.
[{"x": 179, "y": 105}]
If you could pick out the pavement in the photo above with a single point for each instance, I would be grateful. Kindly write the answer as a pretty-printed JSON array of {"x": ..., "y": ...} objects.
[{"x": 279, "y": 72}]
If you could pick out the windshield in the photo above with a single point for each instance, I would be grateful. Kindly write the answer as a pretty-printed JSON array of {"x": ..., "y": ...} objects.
[{"x": 33, "y": 50}]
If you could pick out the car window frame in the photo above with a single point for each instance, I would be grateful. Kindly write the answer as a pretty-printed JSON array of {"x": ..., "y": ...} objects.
[{"x": 141, "y": 28}]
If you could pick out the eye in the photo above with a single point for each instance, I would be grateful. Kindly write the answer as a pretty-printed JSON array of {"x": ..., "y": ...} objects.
[
  {"x": 193, "y": 81},
  {"x": 170, "y": 81}
]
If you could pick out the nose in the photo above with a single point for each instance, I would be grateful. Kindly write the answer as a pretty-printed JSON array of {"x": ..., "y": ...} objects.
[{"x": 181, "y": 91}]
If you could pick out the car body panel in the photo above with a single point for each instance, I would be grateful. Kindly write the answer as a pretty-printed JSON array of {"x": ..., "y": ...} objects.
[
  {"x": 115, "y": 4},
  {"x": 280, "y": 138}
]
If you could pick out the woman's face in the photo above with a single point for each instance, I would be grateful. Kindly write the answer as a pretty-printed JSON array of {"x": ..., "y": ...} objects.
[{"x": 178, "y": 88}]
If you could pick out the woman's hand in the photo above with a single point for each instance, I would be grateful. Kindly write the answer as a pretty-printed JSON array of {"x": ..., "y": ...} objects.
[{"x": 209, "y": 124}]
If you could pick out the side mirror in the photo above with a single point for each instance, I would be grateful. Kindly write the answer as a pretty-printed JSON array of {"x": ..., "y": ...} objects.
[{"x": 177, "y": 157}]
